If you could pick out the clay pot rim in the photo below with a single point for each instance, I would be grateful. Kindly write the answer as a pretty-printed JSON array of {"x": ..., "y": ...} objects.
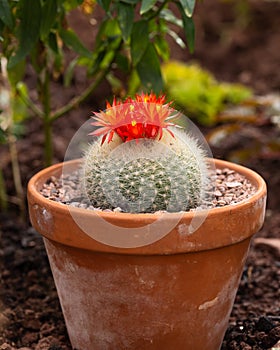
[
  {"x": 221, "y": 227},
  {"x": 44, "y": 174}
]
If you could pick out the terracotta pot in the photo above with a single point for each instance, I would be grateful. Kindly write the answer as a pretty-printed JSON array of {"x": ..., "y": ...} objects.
[{"x": 176, "y": 293}]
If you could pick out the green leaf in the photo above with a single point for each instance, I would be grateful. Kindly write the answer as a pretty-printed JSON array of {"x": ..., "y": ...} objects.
[
  {"x": 6, "y": 14},
  {"x": 68, "y": 75},
  {"x": 125, "y": 19},
  {"x": 131, "y": 2},
  {"x": 122, "y": 62},
  {"x": 149, "y": 70},
  {"x": 70, "y": 4},
  {"x": 105, "y": 4},
  {"x": 71, "y": 40},
  {"x": 58, "y": 64},
  {"x": 2, "y": 26},
  {"x": 96, "y": 63},
  {"x": 3, "y": 137},
  {"x": 52, "y": 42},
  {"x": 29, "y": 29},
  {"x": 108, "y": 30},
  {"x": 162, "y": 47},
  {"x": 17, "y": 73},
  {"x": 139, "y": 41},
  {"x": 37, "y": 56},
  {"x": 107, "y": 40},
  {"x": 110, "y": 53},
  {"x": 19, "y": 107},
  {"x": 116, "y": 83},
  {"x": 49, "y": 10},
  {"x": 169, "y": 16},
  {"x": 107, "y": 44},
  {"x": 134, "y": 83},
  {"x": 176, "y": 38},
  {"x": 189, "y": 30},
  {"x": 188, "y": 7},
  {"x": 146, "y": 6}
]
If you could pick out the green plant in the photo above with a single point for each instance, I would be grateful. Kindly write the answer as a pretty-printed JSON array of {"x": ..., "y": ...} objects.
[
  {"x": 199, "y": 93},
  {"x": 131, "y": 38},
  {"x": 13, "y": 112},
  {"x": 148, "y": 164}
]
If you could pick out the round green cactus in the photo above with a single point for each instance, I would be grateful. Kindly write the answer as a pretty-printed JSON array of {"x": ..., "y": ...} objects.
[
  {"x": 146, "y": 175},
  {"x": 148, "y": 163}
]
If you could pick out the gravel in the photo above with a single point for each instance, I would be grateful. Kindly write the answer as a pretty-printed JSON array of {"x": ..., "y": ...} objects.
[{"x": 230, "y": 188}]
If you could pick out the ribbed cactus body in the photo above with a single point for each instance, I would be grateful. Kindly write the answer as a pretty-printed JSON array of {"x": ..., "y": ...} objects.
[{"x": 145, "y": 176}]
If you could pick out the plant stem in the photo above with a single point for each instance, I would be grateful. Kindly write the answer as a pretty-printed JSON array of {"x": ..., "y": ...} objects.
[
  {"x": 74, "y": 102},
  {"x": 3, "y": 193},
  {"x": 12, "y": 141},
  {"x": 30, "y": 104},
  {"x": 49, "y": 117},
  {"x": 48, "y": 148},
  {"x": 16, "y": 173},
  {"x": 157, "y": 12}
]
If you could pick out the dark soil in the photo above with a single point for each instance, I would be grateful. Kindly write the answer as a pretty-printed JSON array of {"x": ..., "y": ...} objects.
[{"x": 234, "y": 48}]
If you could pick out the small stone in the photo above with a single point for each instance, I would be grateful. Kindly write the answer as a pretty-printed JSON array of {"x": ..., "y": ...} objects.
[
  {"x": 46, "y": 329},
  {"x": 7, "y": 346},
  {"x": 83, "y": 206},
  {"x": 118, "y": 210},
  {"x": 228, "y": 199},
  {"x": 233, "y": 184},
  {"x": 275, "y": 333},
  {"x": 29, "y": 311},
  {"x": 33, "y": 324},
  {"x": 74, "y": 204},
  {"x": 3, "y": 320},
  {"x": 218, "y": 171},
  {"x": 218, "y": 193},
  {"x": 30, "y": 338}
]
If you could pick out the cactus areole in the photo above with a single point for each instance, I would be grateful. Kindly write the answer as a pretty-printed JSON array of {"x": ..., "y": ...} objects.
[{"x": 142, "y": 162}]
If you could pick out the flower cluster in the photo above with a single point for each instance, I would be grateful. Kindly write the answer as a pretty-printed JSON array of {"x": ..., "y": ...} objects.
[{"x": 145, "y": 116}]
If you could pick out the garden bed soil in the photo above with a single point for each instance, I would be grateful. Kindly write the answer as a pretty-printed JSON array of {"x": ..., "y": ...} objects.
[{"x": 30, "y": 315}]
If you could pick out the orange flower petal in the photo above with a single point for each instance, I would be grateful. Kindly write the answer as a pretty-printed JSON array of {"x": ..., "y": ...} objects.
[{"x": 145, "y": 116}]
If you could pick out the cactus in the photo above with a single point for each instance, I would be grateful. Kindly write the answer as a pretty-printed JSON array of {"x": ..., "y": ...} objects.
[{"x": 161, "y": 168}]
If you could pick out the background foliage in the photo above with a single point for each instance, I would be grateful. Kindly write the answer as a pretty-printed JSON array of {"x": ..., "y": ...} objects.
[{"x": 132, "y": 38}]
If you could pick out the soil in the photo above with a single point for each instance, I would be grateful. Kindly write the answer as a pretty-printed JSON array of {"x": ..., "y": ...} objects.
[
  {"x": 229, "y": 188},
  {"x": 241, "y": 48}
]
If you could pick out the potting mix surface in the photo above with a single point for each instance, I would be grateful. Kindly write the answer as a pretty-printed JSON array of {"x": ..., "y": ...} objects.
[{"x": 229, "y": 187}]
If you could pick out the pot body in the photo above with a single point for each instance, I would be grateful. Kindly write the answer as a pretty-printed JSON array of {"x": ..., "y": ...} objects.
[
  {"x": 176, "y": 293},
  {"x": 113, "y": 301}
]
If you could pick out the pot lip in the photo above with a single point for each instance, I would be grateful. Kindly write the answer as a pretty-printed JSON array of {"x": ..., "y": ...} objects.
[
  {"x": 224, "y": 226},
  {"x": 251, "y": 175}
]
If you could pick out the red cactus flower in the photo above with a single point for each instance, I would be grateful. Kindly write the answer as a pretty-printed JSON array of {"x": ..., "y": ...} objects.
[{"x": 145, "y": 116}]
